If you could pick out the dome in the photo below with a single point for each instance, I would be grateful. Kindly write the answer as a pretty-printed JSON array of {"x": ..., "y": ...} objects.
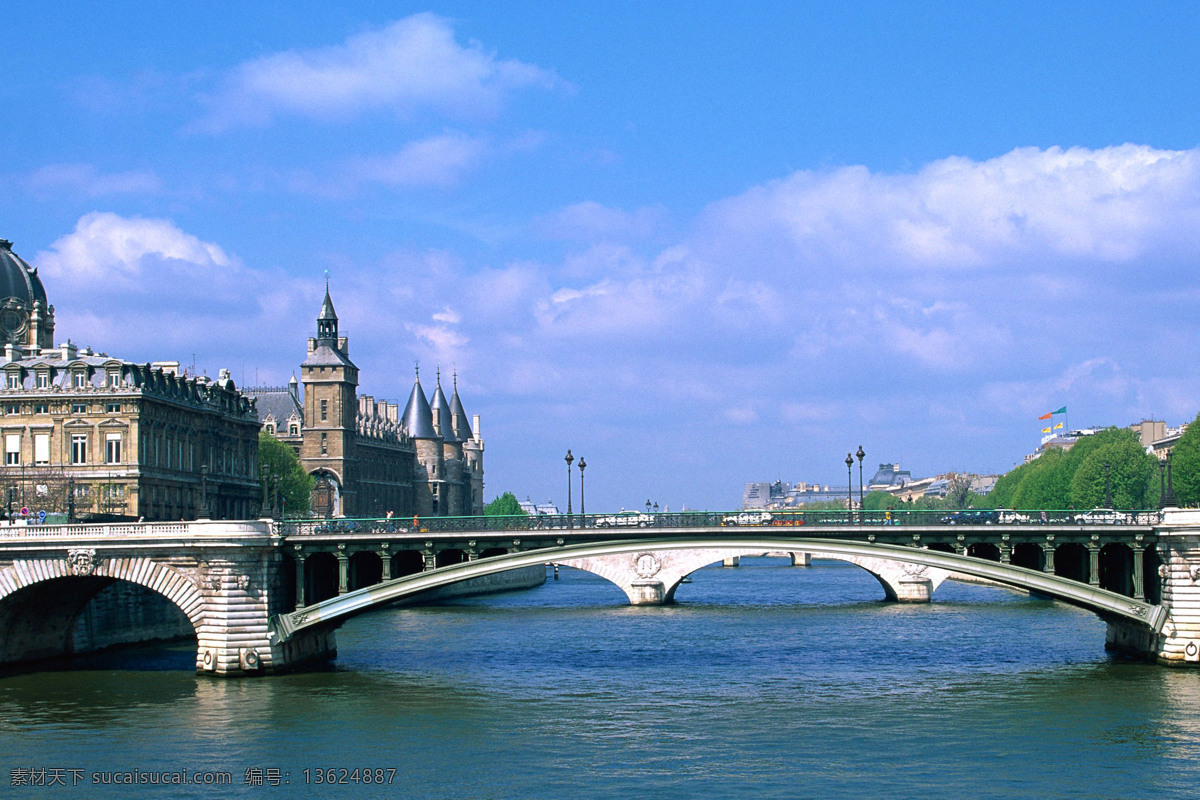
[
  {"x": 18, "y": 279},
  {"x": 25, "y": 317}
]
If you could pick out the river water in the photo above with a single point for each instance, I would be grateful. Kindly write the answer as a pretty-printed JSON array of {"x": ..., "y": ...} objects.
[{"x": 765, "y": 680}]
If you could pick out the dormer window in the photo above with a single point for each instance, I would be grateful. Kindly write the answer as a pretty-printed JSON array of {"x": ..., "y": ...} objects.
[
  {"x": 114, "y": 378},
  {"x": 79, "y": 379},
  {"x": 271, "y": 428},
  {"x": 14, "y": 380},
  {"x": 43, "y": 380},
  {"x": 294, "y": 429}
]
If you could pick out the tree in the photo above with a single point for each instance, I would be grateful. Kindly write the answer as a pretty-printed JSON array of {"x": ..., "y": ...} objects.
[
  {"x": 1185, "y": 466},
  {"x": 278, "y": 460},
  {"x": 1129, "y": 472},
  {"x": 506, "y": 505},
  {"x": 1045, "y": 484}
]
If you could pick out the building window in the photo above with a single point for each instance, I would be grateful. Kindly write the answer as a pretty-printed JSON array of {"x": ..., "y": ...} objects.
[
  {"x": 78, "y": 448},
  {"x": 43, "y": 380},
  {"x": 12, "y": 448},
  {"x": 79, "y": 379},
  {"x": 12, "y": 408},
  {"x": 78, "y": 408},
  {"x": 114, "y": 379},
  {"x": 113, "y": 408},
  {"x": 324, "y": 410},
  {"x": 112, "y": 448},
  {"x": 324, "y": 445},
  {"x": 293, "y": 429},
  {"x": 41, "y": 408},
  {"x": 271, "y": 428},
  {"x": 14, "y": 380},
  {"x": 41, "y": 448}
]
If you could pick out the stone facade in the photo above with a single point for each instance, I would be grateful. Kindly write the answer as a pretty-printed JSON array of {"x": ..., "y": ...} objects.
[
  {"x": 370, "y": 459},
  {"x": 90, "y": 436}
]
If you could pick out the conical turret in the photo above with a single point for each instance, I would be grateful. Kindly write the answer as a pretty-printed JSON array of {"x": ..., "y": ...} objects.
[{"x": 418, "y": 417}]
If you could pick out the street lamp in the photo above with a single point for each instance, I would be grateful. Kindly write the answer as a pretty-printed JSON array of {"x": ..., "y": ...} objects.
[
  {"x": 71, "y": 501},
  {"x": 568, "y": 458},
  {"x": 1170, "y": 484},
  {"x": 849, "y": 482},
  {"x": 1162, "y": 482},
  {"x": 860, "y": 455},
  {"x": 647, "y": 506},
  {"x": 1107, "y": 487},
  {"x": 582, "y": 467}
]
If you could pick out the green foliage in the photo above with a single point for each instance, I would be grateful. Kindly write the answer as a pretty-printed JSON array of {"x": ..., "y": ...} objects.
[
  {"x": 1075, "y": 478},
  {"x": 1045, "y": 484},
  {"x": 1003, "y": 492},
  {"x": 879, "y": 501},
  {"x": 505, "y": 505},
  {"x": 276, "y": 458},
  {"x": 1185, "y": 466},
  {"x": 1130, "y": 470}
]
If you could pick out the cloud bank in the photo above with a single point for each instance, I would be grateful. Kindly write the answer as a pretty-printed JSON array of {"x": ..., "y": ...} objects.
[
  {"x": 956, "y": 301},
  {"x": 409, "y": 66}
]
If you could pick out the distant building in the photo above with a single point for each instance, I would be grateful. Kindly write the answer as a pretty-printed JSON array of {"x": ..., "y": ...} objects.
[
  {"x": 888, "y": 478},
  {"x": 889, "y": 475},
  {"x": 537, "y": 509},
  {"x": 104, "y": 438},
  {"x": 368, "y": 457}
]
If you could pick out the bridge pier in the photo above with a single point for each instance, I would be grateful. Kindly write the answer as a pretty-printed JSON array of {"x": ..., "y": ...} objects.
[{"x": 901, "y": 582}]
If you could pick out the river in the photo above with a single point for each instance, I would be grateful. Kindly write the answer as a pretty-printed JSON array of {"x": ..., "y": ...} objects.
[{"x": 764, "y": 681}]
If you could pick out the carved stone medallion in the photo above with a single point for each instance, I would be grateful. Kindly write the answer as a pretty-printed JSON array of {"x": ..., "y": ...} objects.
[
  {"x": 82, "y": 561},
  {"x": 647, "y": 565}
]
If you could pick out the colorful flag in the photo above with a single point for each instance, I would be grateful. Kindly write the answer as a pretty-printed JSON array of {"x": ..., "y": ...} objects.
[
  {"x": 1062, "y": 410},
  {"x": 1059, "y": 425},
  {"x": 1045, "y": 416},
  {"x": 1045, "y": 430}
]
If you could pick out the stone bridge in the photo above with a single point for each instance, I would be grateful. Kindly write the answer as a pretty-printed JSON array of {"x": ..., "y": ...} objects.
[{"x": 261, "y": 597}]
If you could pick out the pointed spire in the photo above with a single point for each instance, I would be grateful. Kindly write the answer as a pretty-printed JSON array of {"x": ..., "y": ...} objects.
[
  {"x": 445, "y": 416},
  {"x": 327, "y": 322},
  {"x": 462, "y": 429},
  {"x": 418, "y": 417}
]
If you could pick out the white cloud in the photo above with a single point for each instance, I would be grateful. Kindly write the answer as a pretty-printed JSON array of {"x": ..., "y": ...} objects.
[
  {"x": 410, "y": 65},
  {"x": 1112, "y": 205},
  {"x": 84, "y": 180},
  {"x": 590, "y": 221},
  {"x": 106, "y": 249},
  {"x": 438, "y": 161}
]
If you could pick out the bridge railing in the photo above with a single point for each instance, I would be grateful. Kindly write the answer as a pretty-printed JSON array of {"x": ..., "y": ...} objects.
[{"x": 633, "y": 521}]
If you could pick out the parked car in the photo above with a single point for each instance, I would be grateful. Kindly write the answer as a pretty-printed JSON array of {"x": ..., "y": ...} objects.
[
  {"x": 625, "y": 519},
  {"x": 1104, "y": 516},
  {"x": 747, "y": 518},
  {"x": 971, "y": 516}
]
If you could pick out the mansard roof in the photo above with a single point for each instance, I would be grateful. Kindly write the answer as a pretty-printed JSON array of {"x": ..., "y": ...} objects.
[{"x": 275, "y": 401}]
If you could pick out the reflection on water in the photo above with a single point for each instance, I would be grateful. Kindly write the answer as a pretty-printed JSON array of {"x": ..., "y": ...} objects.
[{"x": 766, "y": 680}]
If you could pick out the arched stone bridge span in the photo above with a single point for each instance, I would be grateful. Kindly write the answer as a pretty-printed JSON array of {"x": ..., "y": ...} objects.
[
  {"x": 650, "y": 569},
  {"x": 263, "y": 597}
]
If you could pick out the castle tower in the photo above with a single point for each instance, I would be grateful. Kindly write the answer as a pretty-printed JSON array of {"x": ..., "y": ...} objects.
[
  {"x": 429, "y": 473},
  {"x": 472, "y": 452},
  {"x": 330, "y": 407},
  {"x": 456, "y": 490}
]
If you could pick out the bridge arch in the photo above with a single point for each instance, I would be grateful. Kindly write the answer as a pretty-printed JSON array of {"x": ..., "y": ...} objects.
[
  {"x": 41, "y": 599},
  {"x": 1107, "y": 604}
]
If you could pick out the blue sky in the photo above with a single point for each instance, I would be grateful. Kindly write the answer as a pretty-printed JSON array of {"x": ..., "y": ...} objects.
[{"x": 698, "y": 243}]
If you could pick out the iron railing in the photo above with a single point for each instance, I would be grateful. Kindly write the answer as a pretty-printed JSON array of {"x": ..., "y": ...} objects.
[{"x": 633, "y": 521}]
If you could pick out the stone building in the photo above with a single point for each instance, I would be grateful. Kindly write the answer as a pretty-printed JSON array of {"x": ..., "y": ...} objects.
[
  {"x": 368, "y": 457},
  {"x": 94, "y": 437}
]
